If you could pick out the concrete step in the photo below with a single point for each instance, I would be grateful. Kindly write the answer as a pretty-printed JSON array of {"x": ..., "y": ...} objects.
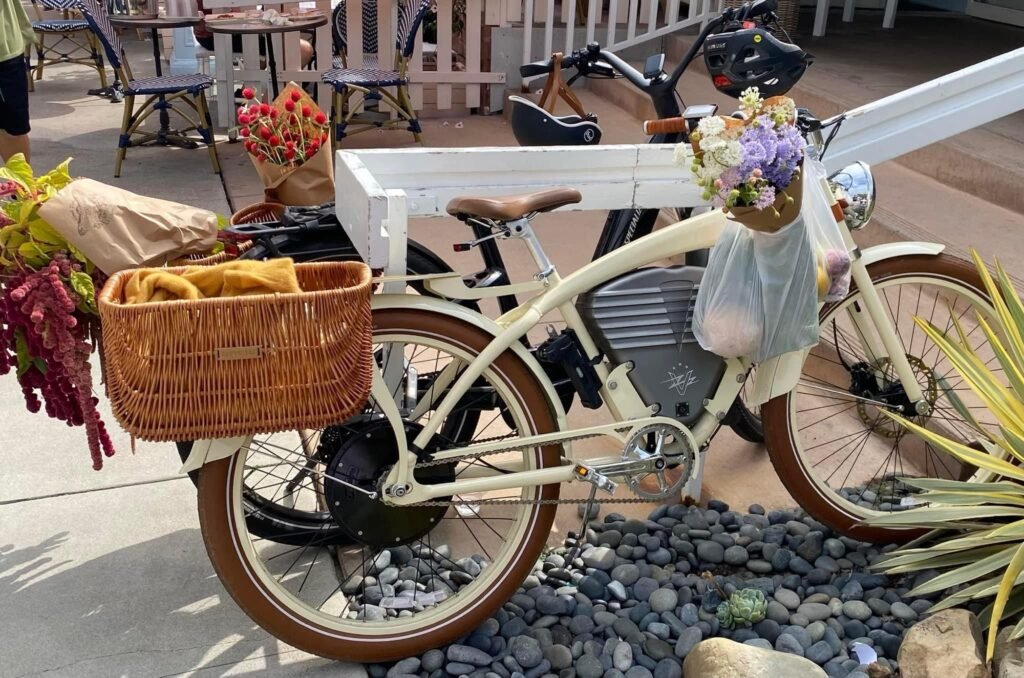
[{"x": 987, "y": 161}]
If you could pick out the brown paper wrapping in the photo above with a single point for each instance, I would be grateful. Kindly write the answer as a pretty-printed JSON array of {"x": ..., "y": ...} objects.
[
  {"x": 770, "y": 221},
  {"x": 311, "y": 183},
  {"x": 117, "y": 229}
]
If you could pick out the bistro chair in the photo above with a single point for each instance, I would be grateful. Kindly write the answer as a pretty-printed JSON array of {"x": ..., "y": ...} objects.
[
  {"x": 70, "y": 40},
  {"x": 160, "y": 91},
  {"x": 339, "y": 32},
  {"x": 372, "y": 82}
]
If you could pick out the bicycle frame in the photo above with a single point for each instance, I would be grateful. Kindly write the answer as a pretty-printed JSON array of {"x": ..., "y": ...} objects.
[{"x": 557, "y": 295}]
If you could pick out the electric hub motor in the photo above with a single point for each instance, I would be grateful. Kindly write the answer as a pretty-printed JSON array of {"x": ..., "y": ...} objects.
[{"x": 362, "y": 455}]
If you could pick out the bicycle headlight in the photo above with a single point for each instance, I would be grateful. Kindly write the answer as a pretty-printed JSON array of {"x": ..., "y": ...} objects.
[{"x": 854, "y": 187}]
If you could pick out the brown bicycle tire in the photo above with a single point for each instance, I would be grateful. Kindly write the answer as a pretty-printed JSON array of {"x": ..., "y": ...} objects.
[
  {"x": 219, "y": 536},
  {"x": 775, "y": 413}
]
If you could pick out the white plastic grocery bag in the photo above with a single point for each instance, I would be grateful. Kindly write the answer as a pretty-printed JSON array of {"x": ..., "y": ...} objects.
[
  {"x": 831, "y": 256},
  {"x": 758, "y": 297},
  {"x": 728, "y": 319},
  {"x": 786, "y": 267}
]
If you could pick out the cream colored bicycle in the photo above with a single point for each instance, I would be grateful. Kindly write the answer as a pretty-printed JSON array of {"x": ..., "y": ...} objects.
[{"x": 434, "y": 503}]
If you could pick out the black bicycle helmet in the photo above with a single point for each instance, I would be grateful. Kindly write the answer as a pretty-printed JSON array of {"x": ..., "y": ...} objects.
[
  {"x": 753, "y": 57},
  {"x": 533, "y": 126}
]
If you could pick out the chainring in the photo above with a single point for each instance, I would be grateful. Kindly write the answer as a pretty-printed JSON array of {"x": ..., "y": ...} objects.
[{"x": 671, "y": 459}]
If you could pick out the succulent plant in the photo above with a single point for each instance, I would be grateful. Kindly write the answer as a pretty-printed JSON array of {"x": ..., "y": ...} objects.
[{"x": 744, "y": 608}]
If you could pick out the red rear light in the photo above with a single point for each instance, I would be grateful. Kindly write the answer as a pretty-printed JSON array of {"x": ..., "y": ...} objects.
[
  {"x": 721, "y": 81},
  {"x": 749, "y": 24}
]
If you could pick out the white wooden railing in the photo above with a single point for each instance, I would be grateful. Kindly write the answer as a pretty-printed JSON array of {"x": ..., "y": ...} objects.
[
  {"x": 930, "y": 112},
  {"x": 616, "y": 24},
  {"x": 378, "y": 190},
  {"x": 455, "y": 71}
]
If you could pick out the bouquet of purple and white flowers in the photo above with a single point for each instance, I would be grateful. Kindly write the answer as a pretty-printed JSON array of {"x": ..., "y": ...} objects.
[{"x": 751, "y": 166}]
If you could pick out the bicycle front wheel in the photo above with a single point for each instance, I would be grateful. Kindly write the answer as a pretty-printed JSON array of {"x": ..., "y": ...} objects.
[
  {"x": 400, "y": 580},
  {"x": 836, "y": 452}
]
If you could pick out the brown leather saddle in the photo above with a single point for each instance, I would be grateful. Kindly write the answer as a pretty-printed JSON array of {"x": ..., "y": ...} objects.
[{"x": 513, "y": 207}]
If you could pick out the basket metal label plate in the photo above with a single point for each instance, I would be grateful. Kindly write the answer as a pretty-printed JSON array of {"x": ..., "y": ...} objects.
[{"x": 239, "y": 353}]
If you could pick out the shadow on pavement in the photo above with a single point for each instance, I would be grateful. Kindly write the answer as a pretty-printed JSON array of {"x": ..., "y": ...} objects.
[{"x": 153, "y": 608}]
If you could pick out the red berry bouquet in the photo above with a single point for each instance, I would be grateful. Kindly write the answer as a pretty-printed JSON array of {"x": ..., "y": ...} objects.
[
  {"x": 289, "y": 144},
  {"x": 47, "y": 306}
]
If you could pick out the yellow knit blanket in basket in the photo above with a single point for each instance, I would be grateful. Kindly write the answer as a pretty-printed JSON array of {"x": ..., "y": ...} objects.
[{"x": 232, "y": 279}]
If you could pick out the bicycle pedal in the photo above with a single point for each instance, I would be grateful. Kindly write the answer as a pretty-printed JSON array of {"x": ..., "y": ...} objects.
[{"x": 592, "y": 476}]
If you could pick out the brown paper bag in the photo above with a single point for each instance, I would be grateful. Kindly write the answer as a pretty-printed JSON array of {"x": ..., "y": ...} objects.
[
  {"x": 311, "y": 183},
  {"x": 118, "y": 229}
]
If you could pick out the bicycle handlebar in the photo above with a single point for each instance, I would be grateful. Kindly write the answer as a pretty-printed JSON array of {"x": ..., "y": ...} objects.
[
  {"x": 592, "y": 58},
  {"x": 665, "y": 126}
]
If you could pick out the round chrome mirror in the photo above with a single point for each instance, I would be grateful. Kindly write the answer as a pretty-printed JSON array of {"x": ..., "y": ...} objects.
[{"x": 854, "y": 188}]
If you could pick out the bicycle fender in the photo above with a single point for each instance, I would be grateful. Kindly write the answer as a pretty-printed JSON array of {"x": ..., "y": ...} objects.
[
  {"x": 206, "y": 451},
  {"x": 873, "y": 255}
]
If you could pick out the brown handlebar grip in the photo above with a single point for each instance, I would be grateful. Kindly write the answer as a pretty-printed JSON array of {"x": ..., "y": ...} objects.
[{"x": 666, "y": 126}]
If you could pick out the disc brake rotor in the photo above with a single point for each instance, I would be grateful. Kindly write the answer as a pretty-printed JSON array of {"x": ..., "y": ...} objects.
[{"x": 884, "y": 426}]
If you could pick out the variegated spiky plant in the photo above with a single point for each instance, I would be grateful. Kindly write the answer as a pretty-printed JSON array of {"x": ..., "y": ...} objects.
[{"x": 978, "y": 541}]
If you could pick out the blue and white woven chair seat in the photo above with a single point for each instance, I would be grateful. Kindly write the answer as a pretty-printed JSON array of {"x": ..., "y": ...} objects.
[
  {"x": 369, "y": 61},
  {"x": 61, "y": 5},
  {"x": 169, "y": 84},
  {"x": 363, "y": 77},
  {"x": 60, "y": 25}
]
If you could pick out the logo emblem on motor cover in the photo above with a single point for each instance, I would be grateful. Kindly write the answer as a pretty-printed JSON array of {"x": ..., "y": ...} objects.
[
  {"x": 680, "y": 378},
  {"x": 588, "y": 135}
]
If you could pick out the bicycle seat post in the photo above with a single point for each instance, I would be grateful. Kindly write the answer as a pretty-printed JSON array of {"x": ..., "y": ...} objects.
[{"x": 522, "y": 229}]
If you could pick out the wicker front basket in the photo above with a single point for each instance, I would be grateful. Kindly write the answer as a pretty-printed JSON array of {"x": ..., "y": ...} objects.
[{"x": 218, "y": 368}]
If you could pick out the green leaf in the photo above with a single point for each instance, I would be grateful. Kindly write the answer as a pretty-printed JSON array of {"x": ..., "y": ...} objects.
[
  {"x": 958, "y": 405},
  {"x": 83, "y": 286},
  {"x": 21, "y": 350},
  {"x": 963, "y": 486},
  {"x": 1014, "y": 442},
  {"x": 930, "y": 516},
  {"x": 1010, "y": 367},
  {"x": 962, "y": 452},
  {"x": 1008, "y": 409},
  {"x": 18, "y": 170},
  {"x": 1013, "y": 301},
  {"x": 900, "y": 563},
  {"x": 967, "y": 498},
  {"x": 1015, "y": 334},
  {"x": 973, "y": 591},
  {"x": 1014, "y": 605},
  {"x": 43, "y": 232},
  {"x": 1015, "y": 567},
  {"x": 974, "y": 568},
  {"x": 1018, "y": 630},
  {"x": 57, "y": 178}
]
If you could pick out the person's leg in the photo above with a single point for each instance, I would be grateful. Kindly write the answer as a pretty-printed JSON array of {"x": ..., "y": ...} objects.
[
  {"x": 306, "y": 50},
  {"x": 12, "y": 144},
  {"x": 14, "y": 125}
]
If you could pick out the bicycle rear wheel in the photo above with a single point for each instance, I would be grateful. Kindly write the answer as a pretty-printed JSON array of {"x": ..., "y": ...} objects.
[{"x": 405, "y": 579}]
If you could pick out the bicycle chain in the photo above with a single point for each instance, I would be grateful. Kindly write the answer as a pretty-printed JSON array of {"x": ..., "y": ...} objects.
[{"x": 509, "y": 501}]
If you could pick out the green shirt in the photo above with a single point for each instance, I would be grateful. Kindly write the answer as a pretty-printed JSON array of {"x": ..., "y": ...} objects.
[{"x": 15, "y": 29}]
